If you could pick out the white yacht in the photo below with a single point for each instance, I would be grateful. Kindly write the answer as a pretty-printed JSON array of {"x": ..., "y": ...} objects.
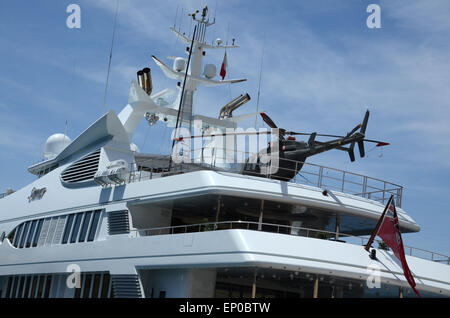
[{"x": 103, "y": 220}]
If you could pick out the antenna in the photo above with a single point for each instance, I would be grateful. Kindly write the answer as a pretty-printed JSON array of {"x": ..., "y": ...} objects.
[
  {"x": 181, "y": 19},
  {"x": 176, "y": 15},
  {"x": 70, "y": 95},
  {"x": 260, "y": 76},
  {"x": 110, "y": 56}
]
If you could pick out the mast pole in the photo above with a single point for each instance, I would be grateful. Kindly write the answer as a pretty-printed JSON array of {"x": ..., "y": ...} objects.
[
  {"x": 182, "y": 96},
  {"x": 377, "y": 227}
]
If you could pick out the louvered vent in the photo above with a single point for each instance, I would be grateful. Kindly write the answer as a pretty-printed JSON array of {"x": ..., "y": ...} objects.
[
  {"x": 118, "y": 222},
  {"x": 126, "y": 286},
  {"x": 82, "y": 170}
]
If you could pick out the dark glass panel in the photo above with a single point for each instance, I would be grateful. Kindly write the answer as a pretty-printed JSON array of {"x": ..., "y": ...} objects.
[
  {"x": 87, "y": 286},
  {"x": 68, "y": 228},
  {"x": 17, "y": 236},
  {"x": 40, "y": 287},
  {"x": 38, "y": 232},
  {"x": 84, "y": 228},
  {"x": 76, "y": 228},
  {"x": 94, "y": 225},
  {"x": 33, "y": 286},
  {"x": 48, "y": 284},
  {"x": 105, "y": 286},
  {"x": 9, "y": 286},
  {"x": 24, "y": 235},
  {"x": 30, "y": 235},
  {"x": 27, "y": 286},
  {"x": 96, "y": 286}
]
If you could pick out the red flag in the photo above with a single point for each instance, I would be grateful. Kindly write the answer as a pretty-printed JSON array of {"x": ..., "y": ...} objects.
[
  {"x": 223, "y": 69},
  {"x": 390, "y": 233}
]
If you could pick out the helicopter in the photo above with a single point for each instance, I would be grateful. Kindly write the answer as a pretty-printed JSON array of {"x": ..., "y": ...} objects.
[{"x": 292, "y": 153}]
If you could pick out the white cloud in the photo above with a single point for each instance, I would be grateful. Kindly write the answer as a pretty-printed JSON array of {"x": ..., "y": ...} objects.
[{"x": 419, "y": 15}]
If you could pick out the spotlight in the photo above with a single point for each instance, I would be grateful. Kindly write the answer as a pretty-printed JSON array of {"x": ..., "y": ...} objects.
[{"x": 373, "y": 254}]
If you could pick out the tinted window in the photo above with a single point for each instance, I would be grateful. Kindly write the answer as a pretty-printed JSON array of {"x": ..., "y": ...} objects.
[
  {"x": 21, "y": 282},
  {"x": 27, "y": 287},
  {"x": 38, "y": 232},
  {"x": 24, "y": 234},
  {"x": 87, "y": 286},
  {"x": 15, "y": 284},
  {"x": 96, "y": 286},
  {"x": 33, "y": 286},
  {"x": 30, "y": 235},
  {"x": 76, "y": 228},
  {"x": 40, "y": 287},
  {"x": 68, "y": 228},
  {"x": 84, "y": 228},
  {"x": 8, "y": 288},
  {"x": 105, "y": 286},
  {"x": 48, "y": 284},
  {"x": 12, "y": 235},
  {"x": 94, "y": 225},
  {"x": 17, "y": 236}
]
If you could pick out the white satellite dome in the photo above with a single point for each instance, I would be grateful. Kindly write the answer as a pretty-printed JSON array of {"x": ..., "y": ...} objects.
[
  {"x": 179, "y": 64},
  {"x": 134, "y": 148},
  {"x": 210, "y": 71},
  {"x": 55, "y": 144}
]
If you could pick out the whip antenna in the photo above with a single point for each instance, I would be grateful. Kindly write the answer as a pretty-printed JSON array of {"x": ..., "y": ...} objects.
[
  {"x": 110, "y": 57},
  {"x": 260, "y": 76}
]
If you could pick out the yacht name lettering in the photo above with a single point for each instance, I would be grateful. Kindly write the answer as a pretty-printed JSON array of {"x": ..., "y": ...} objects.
[{"x": 36, "y": 194}]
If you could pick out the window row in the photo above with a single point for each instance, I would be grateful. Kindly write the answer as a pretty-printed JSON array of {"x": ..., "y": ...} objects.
[
  {"x": 92, "y": 285},
  {"x": 31, "y": 286},
  {"x": 72, "y": 228},
  {"x": 95, "y": 285}
]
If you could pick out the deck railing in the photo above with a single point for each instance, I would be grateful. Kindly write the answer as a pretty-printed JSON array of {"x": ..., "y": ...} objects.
[
  {"x": 311, "y": 174},
  {"x": 284, "y": 229}
]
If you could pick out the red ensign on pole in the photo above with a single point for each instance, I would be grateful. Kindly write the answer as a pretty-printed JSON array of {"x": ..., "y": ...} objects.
[
  {"x": 223, "y": 69},
  {"x": 389, "y": 231}
]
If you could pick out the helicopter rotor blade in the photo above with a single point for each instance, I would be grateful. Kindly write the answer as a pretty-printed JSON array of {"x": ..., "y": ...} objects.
[
  {"x": 293, "y": 133},
  {"x": 354, "y": 130},
  {"x": 268, "y": 120},
  {"x": 351, "y": 153},
  {"x": 362, "y": 152},
  {"x": 364, "y": 124}
]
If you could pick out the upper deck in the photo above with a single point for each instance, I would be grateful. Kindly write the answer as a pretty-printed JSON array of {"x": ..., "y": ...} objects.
[{"x": 323, "y": 177}]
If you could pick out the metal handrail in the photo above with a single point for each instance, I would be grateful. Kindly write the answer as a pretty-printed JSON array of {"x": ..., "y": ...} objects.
[
  {"x": 345, "y": 183},
  {"x": 256, "y": 226}
]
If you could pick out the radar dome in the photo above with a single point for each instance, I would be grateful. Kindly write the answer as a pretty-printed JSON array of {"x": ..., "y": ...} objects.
[
  {"x": 179, "y": 64},
  {"x": 55, "y": 144},
  {"x": 134, "y": 147},
  {"x": 210, "y": 71}
]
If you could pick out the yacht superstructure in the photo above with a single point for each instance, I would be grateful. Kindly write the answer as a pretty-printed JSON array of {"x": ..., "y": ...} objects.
[{"x": 103, "y": 220}]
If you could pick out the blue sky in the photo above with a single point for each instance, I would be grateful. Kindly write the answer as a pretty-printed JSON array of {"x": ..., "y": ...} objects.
[{"x": 322, "y": 69}]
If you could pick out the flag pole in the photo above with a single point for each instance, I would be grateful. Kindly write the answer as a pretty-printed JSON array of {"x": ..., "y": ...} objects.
[{"x": 380, "y": 221}]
